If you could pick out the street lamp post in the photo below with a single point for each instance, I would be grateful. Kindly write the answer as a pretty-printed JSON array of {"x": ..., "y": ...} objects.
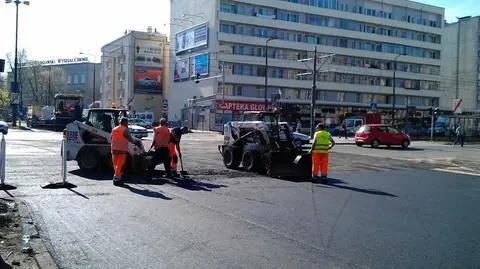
[
  {"x": 266, "y": 71},
  {"x": 15, "y": 71},
  {"x": 94, "y": 74},
  {"x": 394, "y": 82}
]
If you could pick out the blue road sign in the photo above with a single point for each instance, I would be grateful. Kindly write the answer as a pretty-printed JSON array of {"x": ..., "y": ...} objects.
[{"x": 373, "y": 107}]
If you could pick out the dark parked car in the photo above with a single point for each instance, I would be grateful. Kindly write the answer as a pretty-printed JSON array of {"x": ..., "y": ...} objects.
[{"x": 3, "y": 127}]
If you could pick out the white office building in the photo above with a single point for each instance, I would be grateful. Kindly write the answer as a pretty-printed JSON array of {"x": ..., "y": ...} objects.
[
  {"x": 461, "y": 65},
  {"x": 366, "y": 37}
]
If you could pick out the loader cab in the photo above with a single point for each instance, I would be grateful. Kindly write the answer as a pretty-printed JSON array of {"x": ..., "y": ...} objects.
[{"x": 104, "y": 119}]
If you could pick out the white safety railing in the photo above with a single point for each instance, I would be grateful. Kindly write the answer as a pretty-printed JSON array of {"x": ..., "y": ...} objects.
[
  {"x": 3, "y": 159},
  {"x": 64, "y": 161},
  {"x": 3, "y": 149}
]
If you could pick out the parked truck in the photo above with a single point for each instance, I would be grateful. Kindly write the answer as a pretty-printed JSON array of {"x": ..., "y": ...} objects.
[{"x": 67, "y": 108}]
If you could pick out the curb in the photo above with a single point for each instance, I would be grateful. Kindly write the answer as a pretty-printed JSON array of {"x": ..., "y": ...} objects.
[{"x": 42, "y": 256}]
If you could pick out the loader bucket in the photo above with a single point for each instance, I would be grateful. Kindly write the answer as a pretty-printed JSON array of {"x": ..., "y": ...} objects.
[{"x": 285, "y": 164}]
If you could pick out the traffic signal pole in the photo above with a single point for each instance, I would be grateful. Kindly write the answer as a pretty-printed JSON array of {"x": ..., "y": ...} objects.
[{"x": 431, "y": 127}]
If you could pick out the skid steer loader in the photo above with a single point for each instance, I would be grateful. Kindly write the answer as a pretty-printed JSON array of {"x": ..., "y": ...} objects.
[
  {"x": 88, "y": 143},
  {"x": 261, "y": 144}
]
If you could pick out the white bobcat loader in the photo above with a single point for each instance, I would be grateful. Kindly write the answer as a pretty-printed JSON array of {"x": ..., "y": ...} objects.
[
  {"x": 261, "y": 144},
  {"x": 88, "y": 143}
]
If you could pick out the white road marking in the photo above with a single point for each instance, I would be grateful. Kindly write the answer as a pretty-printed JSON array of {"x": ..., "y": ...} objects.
[{"x": 457, "y": 172}]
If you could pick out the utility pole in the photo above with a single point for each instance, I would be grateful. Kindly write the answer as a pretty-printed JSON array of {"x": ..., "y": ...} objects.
[
  {"x": 223, "y": 91},
  {"x": 394, "y": 96},
  {"x": 314, "y": 90},
  {"x": 314, "y": 72}
]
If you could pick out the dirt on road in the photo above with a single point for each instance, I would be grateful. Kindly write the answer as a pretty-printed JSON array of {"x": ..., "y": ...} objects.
[{"x": 11, "y": 233}]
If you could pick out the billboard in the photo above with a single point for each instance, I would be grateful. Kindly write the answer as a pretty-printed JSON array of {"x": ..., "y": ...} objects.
[
  {"x": 148, "y": 67},
  {"x": 192, "y": 38},
  {"x": 182, "y": 70},
  {"x": 199, "y": 64},
  {"x": 148, "y": 80}
]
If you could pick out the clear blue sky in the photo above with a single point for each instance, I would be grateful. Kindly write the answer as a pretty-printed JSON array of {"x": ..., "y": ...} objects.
[{"x": 51, "y": 29}]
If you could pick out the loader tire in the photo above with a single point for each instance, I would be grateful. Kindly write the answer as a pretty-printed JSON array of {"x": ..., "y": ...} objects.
[
  {"x": 88, "y": 159},
  {"x": 250, "y": 161},
  {"x": 231, "y": 158}
]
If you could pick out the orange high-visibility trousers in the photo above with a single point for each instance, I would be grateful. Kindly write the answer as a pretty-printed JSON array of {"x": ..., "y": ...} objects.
[
  {"x": 172, "y": 151},
  {"x": 319, "y": 164},
  {"x": 118, "y": 162}
]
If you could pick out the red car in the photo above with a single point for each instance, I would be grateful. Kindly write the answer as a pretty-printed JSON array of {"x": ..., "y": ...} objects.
[{"x": 380, "y": 134}]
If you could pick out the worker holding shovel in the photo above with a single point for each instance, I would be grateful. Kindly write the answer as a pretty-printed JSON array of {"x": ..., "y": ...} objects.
[{"x": 174, "y": 147}]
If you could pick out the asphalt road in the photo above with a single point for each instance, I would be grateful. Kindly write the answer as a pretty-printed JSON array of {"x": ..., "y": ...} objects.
[{"x": 378, "y": 213}]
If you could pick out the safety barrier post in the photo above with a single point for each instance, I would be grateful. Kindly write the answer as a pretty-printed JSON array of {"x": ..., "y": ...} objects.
[
  {"x": 63, "y": 184},
  {"x": 3, "y": 155}
]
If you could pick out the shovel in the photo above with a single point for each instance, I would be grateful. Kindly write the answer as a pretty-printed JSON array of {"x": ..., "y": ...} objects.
[{"x": 183, "y": 172}]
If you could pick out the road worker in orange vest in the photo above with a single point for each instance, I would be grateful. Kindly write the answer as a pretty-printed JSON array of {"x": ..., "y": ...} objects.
[
  {"x": 174, "y": 146},
  {"x": 322, "y": 143},
  {"x": 120, "y": 137},
  {"x": 161, "y": 139}
]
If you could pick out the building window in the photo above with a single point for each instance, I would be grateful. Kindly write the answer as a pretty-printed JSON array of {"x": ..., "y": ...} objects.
[
  {"x": 83, "y": 79},
  {"x": 75, "y": 79},
  {"x": 69, "y": 79}
]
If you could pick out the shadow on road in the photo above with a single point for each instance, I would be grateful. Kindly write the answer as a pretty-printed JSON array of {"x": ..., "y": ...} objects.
[
  {"x": 92, "y": 176},
  {"x": 337, "y": 183},
  {"x": 146, "y": 192},
  {"x": 188, "y": 183},
  {"x": 194, "y": 185}
]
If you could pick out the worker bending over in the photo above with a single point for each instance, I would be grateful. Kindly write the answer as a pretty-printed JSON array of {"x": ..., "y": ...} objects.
[
  {"x": 322, "y": 143},
  {"x": 174, "y": 146},
  {"x": 161, "y": 138},
  {"x": 120, "y": 137}
]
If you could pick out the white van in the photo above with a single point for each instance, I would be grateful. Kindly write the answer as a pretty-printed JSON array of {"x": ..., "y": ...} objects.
[{"x": 147, "y": 116}]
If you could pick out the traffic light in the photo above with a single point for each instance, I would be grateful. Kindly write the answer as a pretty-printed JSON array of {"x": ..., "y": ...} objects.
[
  {"x": 436, "y": 111},
  {"x": 197, "y": 77}
]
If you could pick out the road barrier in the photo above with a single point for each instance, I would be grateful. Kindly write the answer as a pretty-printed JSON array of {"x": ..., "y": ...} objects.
[
  {"x": 3, "y": 156},
  {"x": 63, "y": 184}
]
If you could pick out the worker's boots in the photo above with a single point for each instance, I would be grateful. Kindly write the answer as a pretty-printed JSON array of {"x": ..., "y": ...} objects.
[{"x": 117, "y": 181}]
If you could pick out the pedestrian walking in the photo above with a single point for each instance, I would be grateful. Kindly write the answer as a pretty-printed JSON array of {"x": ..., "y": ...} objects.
[
  {"x": 161, "y": 138},
  {"x": 344, "y": 129},
  {"x": 119, "y": 138},
  {"x": 322, "y": 143},
  {"x": 174, "y": 146},
  {"x": 299, "y": 127},
  {"x": 460, "y": 132}
]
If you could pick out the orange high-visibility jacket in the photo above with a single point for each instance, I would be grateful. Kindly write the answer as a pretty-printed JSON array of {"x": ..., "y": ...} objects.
[
  {"x": 161, "y": 136},
  {"x": 119, "y": 141}
]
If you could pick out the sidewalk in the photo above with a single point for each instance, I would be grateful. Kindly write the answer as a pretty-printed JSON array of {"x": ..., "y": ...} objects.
[{"x": 342, "y": 140}]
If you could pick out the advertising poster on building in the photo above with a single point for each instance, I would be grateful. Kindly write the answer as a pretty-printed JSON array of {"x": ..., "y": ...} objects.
[
  {"x": 199, "y": 65},
  {"x": 148, "y": 71},
  {"x": 192, "y": 38},
  {"x": 182, "y": 70},
  {"x": 148, "y": 80}
]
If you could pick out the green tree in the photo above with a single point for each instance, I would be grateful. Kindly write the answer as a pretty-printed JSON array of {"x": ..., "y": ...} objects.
[{"x": 4, "y": 98}]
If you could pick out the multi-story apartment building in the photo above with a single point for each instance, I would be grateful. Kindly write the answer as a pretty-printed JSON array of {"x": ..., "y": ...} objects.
[
  {"x": 461, "y": 64},
  {"x": 366, "y": 37},
  {"x": 41, "y": 80},
  {"x": 134, "y": 68}
]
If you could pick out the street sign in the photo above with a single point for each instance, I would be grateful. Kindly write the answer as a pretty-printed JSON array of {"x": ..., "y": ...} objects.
[
  {"x": 373, "y": 107},
  {"x": 457, "y": 106},
  {"x": 15, "y": 98},
  {"x": 165, "y": 101}
]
